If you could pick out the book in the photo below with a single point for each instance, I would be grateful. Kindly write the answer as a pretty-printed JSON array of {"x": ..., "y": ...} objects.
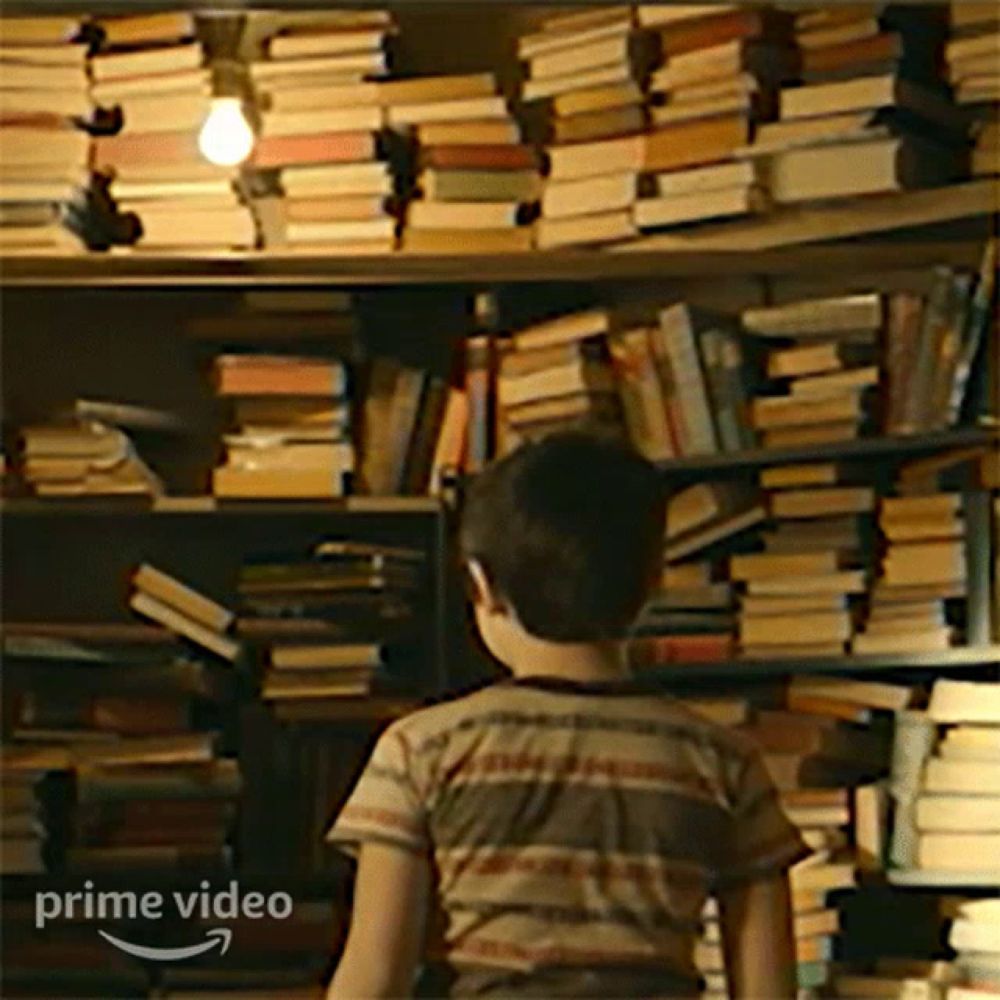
[
  {"x": 185, "y": 599},
  {"x": 964, "y": 701},
  {"x": 961, "y": 852},
  {"x": 176, "y": 621},
  {"x": 822, "y": 317}
]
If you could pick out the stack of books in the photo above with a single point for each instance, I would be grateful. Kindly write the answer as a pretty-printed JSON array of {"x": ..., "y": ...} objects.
[
  {"x": 822, "y": 743},
  {"x": 22, "y": 840},
  {"x": 796, "y": 592},
  {"x": 554, "y": 375},
  {"x": 688, "y": 618},
  {"x": 975, "y": 936},
  {"x": 43, "y": 154},
  {"x": 293, "y": 427},
  {"x": 305, "y": 671},
  {"x": 923, "y": 566},
  {"x": 822, "y": 816},
  {"x": 871, "y": 114},
  {"x": 832, "y": 733},
  {"x": 152, "y": 813},
  {"x": 821, "y": 373},
  {"x": 586, "y": 70},
  {"x": 320, "y": 124},
  {"x": 84, "y": 458},
  {"x": 721, "y": 70},
  {"x": 476, "y": 179},
  {"x": 124, "y": 710},
  {"x": 152, "y": 68},
  {"x": 970, "y": 54},
  {"x": 692, "y": 619},
  {"x": 945, "y": 781},
  {"x": 184, "y": 611},
  {"x": 326, "y": 620}
]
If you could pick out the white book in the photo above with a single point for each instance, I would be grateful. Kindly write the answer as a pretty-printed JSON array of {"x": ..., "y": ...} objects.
[
  {"x": 965, "y": 701},
  {"x": 357, "y": 119},
  {"x": 592, "y": 194},
  {"x": 470, "y": 109}
]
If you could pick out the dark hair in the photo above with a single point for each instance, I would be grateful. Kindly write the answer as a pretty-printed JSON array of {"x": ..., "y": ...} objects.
[{"x": 569, "y": 530}]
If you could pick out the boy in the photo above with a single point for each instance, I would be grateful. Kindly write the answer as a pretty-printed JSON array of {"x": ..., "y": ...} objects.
[{"x": 566, "y": 824}]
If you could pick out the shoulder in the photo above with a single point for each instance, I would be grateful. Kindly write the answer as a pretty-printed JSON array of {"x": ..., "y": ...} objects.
[
  {"x": 428, "y": 725},
  {"x": 679, "y": 718}
]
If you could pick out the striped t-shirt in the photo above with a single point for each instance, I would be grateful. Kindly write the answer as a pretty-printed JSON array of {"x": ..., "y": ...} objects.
[{"x": 574, "y": 831}]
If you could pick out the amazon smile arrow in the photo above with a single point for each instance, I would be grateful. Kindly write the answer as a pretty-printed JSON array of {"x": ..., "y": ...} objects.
[{"x": 222, "y": 936}]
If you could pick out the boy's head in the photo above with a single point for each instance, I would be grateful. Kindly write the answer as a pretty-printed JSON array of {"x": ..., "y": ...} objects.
[{"x": 565, "y": 536}]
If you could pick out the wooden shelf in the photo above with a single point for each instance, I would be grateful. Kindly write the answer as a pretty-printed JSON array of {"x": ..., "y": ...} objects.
[
  {"x": 862, "y": 448},
  {"x": 209, "y": 507},
  {"x": 272, "y": 269},
  {"x": 952, "y": 881},
  {"x": 951, "y": 659}
]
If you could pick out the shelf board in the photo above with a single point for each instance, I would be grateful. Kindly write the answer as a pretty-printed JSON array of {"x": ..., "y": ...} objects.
[
  {"x": 271, "y": 268},
  {"x": 210, "y": 507},
  {"x": 955, "y": 881},
  {"x": 954, "y": 659},
  {"x": 862, "y": 448}
]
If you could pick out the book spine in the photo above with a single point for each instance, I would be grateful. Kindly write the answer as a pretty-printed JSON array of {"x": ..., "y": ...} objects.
[
  {"x": 950, "y": 344},
  {"x": 690, "y": 383},
  {"x": 713, "y": 351},
  {"x": 915, "y": 405},
  {"x": 977, "y": 322},
  {"x": 479, "y": 351},
  {"x": 679, "y": 437},
  {"x": 640, "y": 393}
]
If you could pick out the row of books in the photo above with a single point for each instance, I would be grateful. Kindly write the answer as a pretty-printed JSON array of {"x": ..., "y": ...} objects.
[
  {"x": 808, "y": 568},
  {"x": 680, "y": 380},
  {"x": 135, "y": 715},
  {"x": 650, "y": 118},
  {"x": 677, "y": 380}
]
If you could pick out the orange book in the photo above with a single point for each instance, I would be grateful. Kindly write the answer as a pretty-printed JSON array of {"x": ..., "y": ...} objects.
[
  {"x": 696, "y": 142},
  {"x": 479, "y": 157},
  {"x": 717, "y": 29},
  {"x": 329, "y": 147},
  {"x": 837, "y": 708},
  {"x": 143, "y": 148},
  {"x": 878, "y": 48},
  {"x": 450, "y": 450}
]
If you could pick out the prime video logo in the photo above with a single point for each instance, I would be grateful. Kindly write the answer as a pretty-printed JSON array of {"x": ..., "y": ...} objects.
[{"x": 202, "y": 903}]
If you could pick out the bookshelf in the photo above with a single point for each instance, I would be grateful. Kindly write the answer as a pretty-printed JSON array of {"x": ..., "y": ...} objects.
[
  {"x": 957, "y": 658},
  {"x": 66, "y": 558},
  {"x": 272, "y": 269}
]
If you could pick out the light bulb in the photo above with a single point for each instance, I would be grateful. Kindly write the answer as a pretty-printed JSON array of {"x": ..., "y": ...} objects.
[{"x": 226, "y": 137}]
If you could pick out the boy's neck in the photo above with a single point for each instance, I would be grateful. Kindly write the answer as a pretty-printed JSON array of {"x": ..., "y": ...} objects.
[{"x": 572, "y": 661}]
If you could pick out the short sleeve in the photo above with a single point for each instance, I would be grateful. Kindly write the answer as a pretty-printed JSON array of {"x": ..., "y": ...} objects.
[
  {"x": 762, "y": 839},
  {"x": 385, "y": 806}
]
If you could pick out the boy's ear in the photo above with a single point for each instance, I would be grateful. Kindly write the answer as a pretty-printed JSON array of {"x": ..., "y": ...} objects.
[{"x": 482, "y": 592}]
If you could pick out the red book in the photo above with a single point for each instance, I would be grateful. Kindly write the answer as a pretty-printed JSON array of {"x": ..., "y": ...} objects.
[
  {"x": 717, "y": 29},
  {"x": 329, "y": 147},
  {"x": 660, "y": 649},
  {"x": 146, "y": 148},
  {"x": 479, "y": 157}
]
